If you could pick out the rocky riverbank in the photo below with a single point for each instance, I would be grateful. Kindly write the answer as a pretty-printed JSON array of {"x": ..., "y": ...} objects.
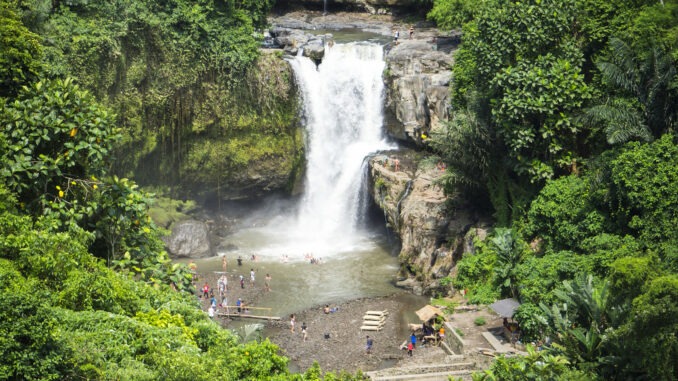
[
  {"x": 336, "y": 342},
  {"x": 344, "y": 346}
]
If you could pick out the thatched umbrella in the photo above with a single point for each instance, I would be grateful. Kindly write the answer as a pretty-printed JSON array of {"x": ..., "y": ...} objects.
[{"x": 428, "y": 312}]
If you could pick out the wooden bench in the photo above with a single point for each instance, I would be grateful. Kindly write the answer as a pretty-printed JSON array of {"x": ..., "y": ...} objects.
[
  {"x": 377, "y": 313},
  {"x": 373, "y": 317},
  {"x": 373, "y": 323}
]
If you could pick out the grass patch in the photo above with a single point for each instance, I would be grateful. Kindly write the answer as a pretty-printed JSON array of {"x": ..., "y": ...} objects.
[
  {"x": 445, "y": 304},
  {"x": 166, "y": 211},
  {"x": 479, "y": 321}
]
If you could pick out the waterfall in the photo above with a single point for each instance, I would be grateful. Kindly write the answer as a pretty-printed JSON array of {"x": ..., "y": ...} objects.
[{"x": 343, "y": 112}]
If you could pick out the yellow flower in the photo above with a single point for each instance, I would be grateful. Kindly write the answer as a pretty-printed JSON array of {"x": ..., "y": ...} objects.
[
  {"x": 72, "y": 182},
  {"x": 94, "y": 186},
  {"x": 61, "y": 193},
  {"x": 73, "y": 131},
  {"x": 58, "y": 187}
]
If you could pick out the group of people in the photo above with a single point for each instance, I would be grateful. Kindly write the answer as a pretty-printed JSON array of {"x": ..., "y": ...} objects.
[
  {"x": 312, "y": 260},
  {"x": 206, "y": 292},
  {"x": 304, "y": 328},
  {"x": 396, "y": 34}
]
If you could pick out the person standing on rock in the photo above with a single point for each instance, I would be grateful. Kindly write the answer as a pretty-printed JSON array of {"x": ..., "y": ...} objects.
[
  {"x": 410, "y": 348},
  {"x": 411, "y": 31},
  {"x": 292, "y": 320},
  {"x": 303, "y": 330},
  {"x": 252, "y": 277},
  {"x": 368, "y": 345},
  {"x": 396, "y": 35},
  {"x": 224, "y": 263},
  {"x": 242, "y": 281},
  {"x": 413, "y": 340}
]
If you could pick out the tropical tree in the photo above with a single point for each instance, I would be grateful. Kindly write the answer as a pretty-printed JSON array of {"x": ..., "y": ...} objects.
[
  {"x": 641, "y": 100},
  {"x": 56, "y": 134},
  {"x": 20, "y": 52},
  {"x": 510, "y": 251},
  {"x": 648, "y": 342},
  {"x": 537, "y": 365},
  {"x": 582, "y": 321}
]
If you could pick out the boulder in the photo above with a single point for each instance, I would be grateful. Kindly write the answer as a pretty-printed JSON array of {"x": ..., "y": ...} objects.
[
  {"x": 315, "y": 49},
  {"x": 189, "y": 239},
  {"x": 291, "y": 40}
]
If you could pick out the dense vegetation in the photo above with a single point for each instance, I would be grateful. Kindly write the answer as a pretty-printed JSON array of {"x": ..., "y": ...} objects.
[
  {"x": 86, "y": 288},
  {"x": 565, "y": 117},
  {"x": 198, "y": 109}
]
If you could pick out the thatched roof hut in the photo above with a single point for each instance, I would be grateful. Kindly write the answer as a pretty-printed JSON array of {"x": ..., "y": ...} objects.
[{"x": 428, "y": 312}]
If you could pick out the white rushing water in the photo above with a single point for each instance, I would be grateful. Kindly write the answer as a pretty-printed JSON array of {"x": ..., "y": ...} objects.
[
  {"x": 343, "y": 114},
  {"x": 343, "y": 108}
]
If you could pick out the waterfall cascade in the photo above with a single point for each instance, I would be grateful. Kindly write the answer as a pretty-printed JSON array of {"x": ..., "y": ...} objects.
[
  {"x": 343, "y": 108},
  {"x": 343, "y": 113}
]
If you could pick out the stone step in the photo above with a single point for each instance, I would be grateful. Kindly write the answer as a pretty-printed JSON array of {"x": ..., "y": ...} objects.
[{"x": 437, "y": 376}]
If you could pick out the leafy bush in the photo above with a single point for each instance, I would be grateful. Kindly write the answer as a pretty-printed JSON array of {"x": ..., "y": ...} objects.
[
  {"x": 532, "y": 322},
  {"x": 479, "y": 321},
  {"x": 562, "y": 214}
]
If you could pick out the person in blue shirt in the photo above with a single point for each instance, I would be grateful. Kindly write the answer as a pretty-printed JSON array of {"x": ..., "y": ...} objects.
[{"x": 413, "y": 340}]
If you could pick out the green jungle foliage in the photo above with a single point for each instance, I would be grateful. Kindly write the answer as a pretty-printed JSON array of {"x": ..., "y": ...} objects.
[
  {"x": 86, "y": 289},
  {"x": 564, "y": 119},
  {"x": 198, "y": 109}
]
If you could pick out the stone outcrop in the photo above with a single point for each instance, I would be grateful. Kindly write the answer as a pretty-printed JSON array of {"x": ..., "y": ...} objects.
[
  {"x": 432, "y": 236},
  {"x": 189, "y": 239},
  {"x": 417, "y": 83},
  {"x": 292, "y": 40}
]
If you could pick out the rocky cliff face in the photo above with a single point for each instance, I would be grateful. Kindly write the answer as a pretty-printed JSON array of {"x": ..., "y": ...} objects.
[
  {"x": 417, "y": 81},
  {"x": 433, "y": 237}
]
